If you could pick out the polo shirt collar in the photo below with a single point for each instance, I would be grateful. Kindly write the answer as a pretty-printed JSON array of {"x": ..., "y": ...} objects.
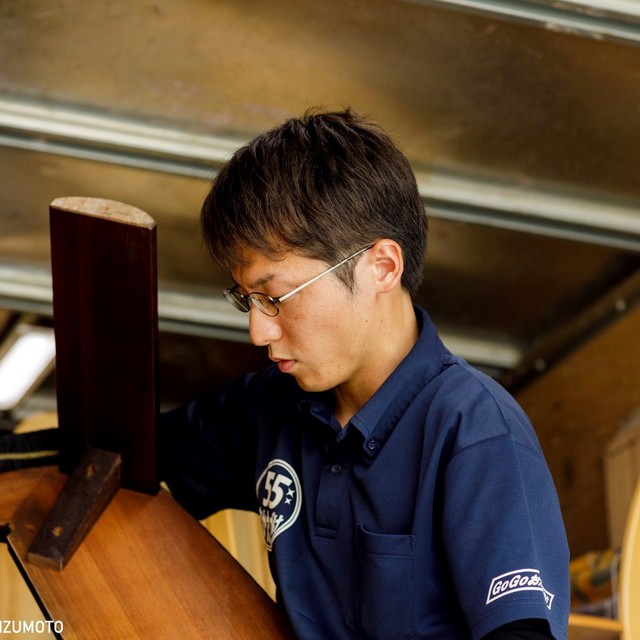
[{"x": 379, "y": 416}]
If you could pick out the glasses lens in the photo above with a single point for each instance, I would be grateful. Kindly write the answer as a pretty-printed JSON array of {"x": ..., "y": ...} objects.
[
  {"x": 237, "y": 300},
  {"x": 265, "y": 304}
]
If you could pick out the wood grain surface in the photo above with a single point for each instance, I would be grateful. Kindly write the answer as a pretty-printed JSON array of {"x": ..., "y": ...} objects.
[{"x": 147, "y": 570}]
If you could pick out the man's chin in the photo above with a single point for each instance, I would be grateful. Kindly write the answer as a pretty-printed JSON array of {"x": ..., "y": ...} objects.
[{"x": 307, "y": 383}]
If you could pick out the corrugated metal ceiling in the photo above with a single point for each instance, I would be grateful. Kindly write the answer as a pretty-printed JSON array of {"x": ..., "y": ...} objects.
[{"x": 525, "y": 139}]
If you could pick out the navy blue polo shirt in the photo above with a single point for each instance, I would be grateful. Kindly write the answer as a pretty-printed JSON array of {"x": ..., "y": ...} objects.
[{"x": 432, "y": 514}]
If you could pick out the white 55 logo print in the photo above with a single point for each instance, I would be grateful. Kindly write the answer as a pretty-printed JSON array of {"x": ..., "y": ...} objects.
[{"x": 279, "y": 499}]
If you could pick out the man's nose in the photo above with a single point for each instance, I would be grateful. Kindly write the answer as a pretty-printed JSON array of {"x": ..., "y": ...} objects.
[{"x": 263, "y": 329}]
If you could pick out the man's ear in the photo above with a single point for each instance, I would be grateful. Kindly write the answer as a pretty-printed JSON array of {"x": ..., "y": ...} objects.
[{"x": 387, "y": 261}]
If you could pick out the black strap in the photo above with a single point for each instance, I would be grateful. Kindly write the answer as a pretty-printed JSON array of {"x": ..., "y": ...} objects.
[{"x": 32, "y": 449}]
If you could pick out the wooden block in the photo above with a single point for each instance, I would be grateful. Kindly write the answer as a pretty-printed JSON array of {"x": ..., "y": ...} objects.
[
  {"x": 84, "y": 497},
  {"x": 586, "y": 627},
  {"x": 103, "y": 259}
]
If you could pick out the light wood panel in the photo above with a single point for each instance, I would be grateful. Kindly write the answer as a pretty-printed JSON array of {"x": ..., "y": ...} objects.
[
  {"x": 577, "y": 407},
  {"x": 146, "y": 570},
  {"x": 582, "y": 627}
]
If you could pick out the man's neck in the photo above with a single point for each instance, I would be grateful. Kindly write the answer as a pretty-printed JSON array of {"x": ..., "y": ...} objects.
[{"x": 395, "y": 336}]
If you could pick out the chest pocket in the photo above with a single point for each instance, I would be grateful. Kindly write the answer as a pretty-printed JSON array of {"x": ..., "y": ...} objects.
[{"x": 381, "y": 598}]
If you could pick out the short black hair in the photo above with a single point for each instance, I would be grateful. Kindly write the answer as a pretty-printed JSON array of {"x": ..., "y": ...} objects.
[{"x": 323, "y": 186}]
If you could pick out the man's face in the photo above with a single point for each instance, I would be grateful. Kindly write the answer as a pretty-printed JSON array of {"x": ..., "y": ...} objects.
[{"x": 322, "y": 335}]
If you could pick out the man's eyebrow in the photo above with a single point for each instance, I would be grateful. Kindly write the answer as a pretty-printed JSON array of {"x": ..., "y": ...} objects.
[{"x": 261, "y": 281}]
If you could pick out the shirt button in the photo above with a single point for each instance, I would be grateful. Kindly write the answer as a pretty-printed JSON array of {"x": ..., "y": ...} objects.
[
  {"x": 372, "y": 445},
  {"x": 336, "y": 468}
]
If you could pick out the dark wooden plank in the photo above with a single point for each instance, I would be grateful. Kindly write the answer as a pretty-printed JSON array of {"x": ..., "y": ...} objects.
[
  {"x": 103, "y": 258},
  {"x": 78, "y": 506}
]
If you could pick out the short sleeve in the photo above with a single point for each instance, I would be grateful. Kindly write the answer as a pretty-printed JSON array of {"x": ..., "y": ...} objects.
[{"x": 504, "y": 535}]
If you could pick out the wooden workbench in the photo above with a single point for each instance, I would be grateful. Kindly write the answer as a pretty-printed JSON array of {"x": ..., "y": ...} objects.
[{"x": 146, "y": 570}]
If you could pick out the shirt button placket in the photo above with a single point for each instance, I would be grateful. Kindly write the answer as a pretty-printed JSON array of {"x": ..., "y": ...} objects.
[{"x": 330, "y": 501}]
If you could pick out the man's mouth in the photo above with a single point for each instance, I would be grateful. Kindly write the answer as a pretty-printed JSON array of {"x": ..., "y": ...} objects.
[{"x": 284, "y": 365}]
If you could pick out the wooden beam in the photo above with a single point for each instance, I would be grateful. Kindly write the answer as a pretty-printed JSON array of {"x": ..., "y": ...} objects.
[{"x": 84, "y": 497}]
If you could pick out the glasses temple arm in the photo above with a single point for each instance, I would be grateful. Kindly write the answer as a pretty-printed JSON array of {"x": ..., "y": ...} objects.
[{"x": 324, "y": 273}]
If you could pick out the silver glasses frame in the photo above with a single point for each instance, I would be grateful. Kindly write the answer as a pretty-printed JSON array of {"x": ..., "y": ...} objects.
[{"x": 242, "y": 302}]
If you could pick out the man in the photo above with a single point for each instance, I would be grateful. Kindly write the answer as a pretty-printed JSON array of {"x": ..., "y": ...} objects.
[{"x": 402, "y": 493}]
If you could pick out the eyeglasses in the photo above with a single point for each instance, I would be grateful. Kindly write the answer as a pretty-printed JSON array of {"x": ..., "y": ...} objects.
[{"x": 267, "y": 304}]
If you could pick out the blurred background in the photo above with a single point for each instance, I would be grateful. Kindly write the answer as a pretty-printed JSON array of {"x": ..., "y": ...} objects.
[{"x": 521, "y": 120}]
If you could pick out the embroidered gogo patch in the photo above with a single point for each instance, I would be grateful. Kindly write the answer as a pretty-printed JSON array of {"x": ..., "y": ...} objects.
[
  {"x": 521, "y": 580},
  {"x": 279, "y": 498}
]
